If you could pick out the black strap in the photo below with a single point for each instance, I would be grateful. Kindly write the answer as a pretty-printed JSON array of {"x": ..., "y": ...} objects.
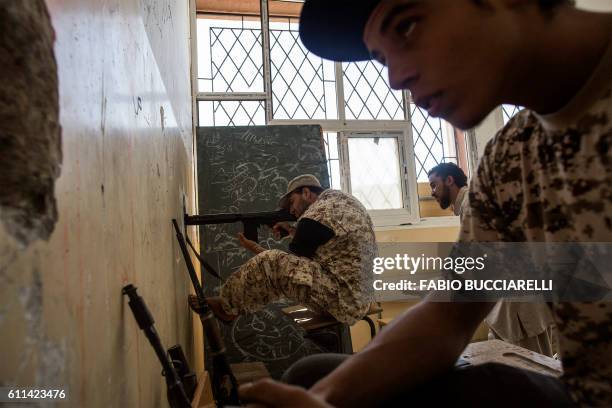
[{"x": 205, "y": 264}]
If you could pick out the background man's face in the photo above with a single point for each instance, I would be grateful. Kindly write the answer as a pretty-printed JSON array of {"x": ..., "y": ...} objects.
[
  {"x": 297, "y": 204},
  {"x": 450, "y": 54},
  {"x": 440, "y": 191}
]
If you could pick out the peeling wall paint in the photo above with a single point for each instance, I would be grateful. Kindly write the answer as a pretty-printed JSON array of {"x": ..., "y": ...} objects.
[{"x": 29, "y": 122}]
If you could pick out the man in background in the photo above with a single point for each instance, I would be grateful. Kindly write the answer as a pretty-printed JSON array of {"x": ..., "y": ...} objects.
[{"x": 448, "y": 185}]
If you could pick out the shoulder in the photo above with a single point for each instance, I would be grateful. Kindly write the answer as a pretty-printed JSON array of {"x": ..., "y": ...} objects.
[
  {"x": 517, "y": 131},
  {"x": 502, "y": 154},
  {"x": 335, "y": 206},
  {"x": 343, "y": 201},
  {"x": 333, "y": 197}
]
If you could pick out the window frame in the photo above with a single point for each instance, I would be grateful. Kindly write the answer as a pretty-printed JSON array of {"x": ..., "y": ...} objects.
[{"x": 409, "y": 213}]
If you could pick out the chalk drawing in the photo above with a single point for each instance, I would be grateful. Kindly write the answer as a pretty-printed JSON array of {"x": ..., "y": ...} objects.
[{"x": 247, "y": 170}]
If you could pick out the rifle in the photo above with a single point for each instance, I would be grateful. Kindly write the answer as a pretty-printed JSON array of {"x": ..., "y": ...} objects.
[
  {"x": 177, "y": 398},
  {"x": 250, "y": 221},
  {"x": 224, "y": 384}
]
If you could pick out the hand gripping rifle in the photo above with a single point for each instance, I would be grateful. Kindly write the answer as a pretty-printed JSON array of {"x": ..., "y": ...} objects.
[
  {"x": 250, "y": 221},
  {"x": 225, "y": 387},
  {"x": 176, "y": 393}
]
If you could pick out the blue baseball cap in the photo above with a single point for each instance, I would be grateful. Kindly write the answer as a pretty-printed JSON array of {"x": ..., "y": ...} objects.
[{"x": 333, "y": 29}]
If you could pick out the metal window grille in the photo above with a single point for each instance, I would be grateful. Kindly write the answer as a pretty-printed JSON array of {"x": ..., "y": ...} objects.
[
  {"x": 433, "y": 142},
  {"x": 508, "y": 111},
  {"x": 333, "y": 159},
  {"x": 231, "y": 113},
  {"x": 249, "y": 76},
  {"x": 232, "y": 59},
  {"x": 303, "y": 85},
  {"x": 368, "y": 95}
]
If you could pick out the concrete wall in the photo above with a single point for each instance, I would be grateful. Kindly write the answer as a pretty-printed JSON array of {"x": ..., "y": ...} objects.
[{"x": 126, "y": 166}]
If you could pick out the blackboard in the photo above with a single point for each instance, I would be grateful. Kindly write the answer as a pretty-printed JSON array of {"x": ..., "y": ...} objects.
[{"x": 246, "y": 169}]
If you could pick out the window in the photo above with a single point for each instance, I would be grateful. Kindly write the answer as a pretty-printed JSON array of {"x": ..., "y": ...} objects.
[
  {"x": 508, "y": 111},
  {"x": 379, "y": 144},
  {"x": 375, "y": 173},
  {"x": 231, "y": 113},
  {"x": 333, "y": 159},
  {"x": 303, "y": 85},
  {"x": 367, "y": 95}
]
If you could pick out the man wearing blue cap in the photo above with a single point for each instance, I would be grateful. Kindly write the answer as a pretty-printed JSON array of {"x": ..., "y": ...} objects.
[{"x": 545, "y": 177}]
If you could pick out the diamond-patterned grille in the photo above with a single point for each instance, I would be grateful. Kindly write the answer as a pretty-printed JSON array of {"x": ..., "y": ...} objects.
[
  {"x": 236, "y": 59},
  {"x": 367, "y": 93},
  {"x": 429, "y": 141},
  {"x": 508, "y": 111},
  {"x": 375, "y": 173},
  {"x": 231, "y": 113},
  {"x": 333, "y": 161},
  {"x": 300, "y": 88},
  {"x": 304, "y": 87}
]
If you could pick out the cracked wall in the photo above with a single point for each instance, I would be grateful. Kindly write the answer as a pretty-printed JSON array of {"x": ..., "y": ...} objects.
[{"x": 30, "y": 141}]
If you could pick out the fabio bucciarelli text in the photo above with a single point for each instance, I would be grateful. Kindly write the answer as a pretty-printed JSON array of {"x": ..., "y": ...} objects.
[{"x": 529, "y": 285}]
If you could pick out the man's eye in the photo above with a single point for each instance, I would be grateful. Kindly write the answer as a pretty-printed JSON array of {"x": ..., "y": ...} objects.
[{"x": 405, "y": 27}]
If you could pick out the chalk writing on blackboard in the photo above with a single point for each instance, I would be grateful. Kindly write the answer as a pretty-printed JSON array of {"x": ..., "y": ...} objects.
[{"x": 246, "y": 169}]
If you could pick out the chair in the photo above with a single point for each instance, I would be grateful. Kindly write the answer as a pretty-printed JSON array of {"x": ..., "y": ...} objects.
[{"x": 324, "y": 330}]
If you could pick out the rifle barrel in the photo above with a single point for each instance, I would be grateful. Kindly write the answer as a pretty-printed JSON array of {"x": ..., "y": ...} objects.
[
  {"x": 227, "y": 218},
  {"x": 176, "y": 393}
]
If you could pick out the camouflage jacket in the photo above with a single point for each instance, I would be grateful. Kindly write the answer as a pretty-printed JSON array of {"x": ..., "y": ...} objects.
[
  {"x": 549, "y": 178},
  {"x": 349, "y": 255}
]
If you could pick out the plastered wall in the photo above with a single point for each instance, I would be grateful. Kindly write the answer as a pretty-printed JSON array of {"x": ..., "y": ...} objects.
[{"x": 125, "y": 112}]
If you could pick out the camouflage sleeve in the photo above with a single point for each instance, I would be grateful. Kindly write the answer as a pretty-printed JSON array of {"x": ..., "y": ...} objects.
[{"x": 483, "y": 217}]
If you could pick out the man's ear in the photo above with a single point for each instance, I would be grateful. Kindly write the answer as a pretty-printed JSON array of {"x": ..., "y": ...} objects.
[{"x": 450, "y": 180}]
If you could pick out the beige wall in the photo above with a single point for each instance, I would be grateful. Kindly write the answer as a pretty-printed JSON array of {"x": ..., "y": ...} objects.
[
  {"x": 125, "y": 113},
  {"x": 360, "y": 333}
]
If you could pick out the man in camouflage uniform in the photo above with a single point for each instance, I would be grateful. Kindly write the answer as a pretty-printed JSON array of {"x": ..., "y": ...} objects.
[
  {"x": 328, "y": 268},
  {"x": 546, "y": 176}
]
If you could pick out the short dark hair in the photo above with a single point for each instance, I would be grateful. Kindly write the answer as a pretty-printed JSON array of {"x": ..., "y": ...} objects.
[{"x": 450, "y": 169}]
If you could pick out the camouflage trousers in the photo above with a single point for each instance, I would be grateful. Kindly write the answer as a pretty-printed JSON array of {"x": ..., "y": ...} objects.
[{"x": 273, "y": 275}]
